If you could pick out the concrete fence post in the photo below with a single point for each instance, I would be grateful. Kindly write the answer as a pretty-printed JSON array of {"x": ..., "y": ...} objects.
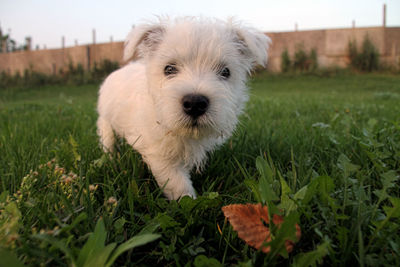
[
  {"x": 28, "y": 41},
  {"x": 92, "y": 58},
  {"x": 384, "y": 16},
  {"x": 94, "y": 36},
  {"x": 62, "y": 52},
  {"x": 88, "y": 56}
]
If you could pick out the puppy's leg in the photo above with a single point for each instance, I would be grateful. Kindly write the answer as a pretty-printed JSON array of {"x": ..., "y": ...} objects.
[
  {"x": 173, "y": 180},
  {"x": 106, "y": 134}
]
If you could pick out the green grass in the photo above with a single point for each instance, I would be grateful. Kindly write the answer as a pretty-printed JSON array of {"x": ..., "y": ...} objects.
[{"x": 323, "y": 151}]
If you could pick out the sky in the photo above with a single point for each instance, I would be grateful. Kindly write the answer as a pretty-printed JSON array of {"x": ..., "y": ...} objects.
[{"x": 46, "y": 21}]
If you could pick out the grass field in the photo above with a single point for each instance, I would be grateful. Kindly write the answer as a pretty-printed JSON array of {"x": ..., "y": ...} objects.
[{"x": 322, "y": 151}]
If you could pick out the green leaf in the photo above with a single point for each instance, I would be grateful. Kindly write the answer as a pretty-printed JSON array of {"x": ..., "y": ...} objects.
[
  {"x": 119, "y": 224},
  {"x": 166, "y": 221},
  {"x": 285, "y": 189},
  {"x": 74, "y": 146},
  {"x": 266, "y": 181},
  {"x": 286, "y": 231},
  {"x": 393, "y": 212},
  {"x": 301, "y": 194},
  {"x": 381, "y": 194},
  {"x": 135, "y": 241},
  {"x": 342, "y": 235},
  {"x": 10, "y": 222},
  {"x": 94, "y": 244},
  {"x": 371, "y": 123},
  {"x": 389, "y": 179},
  {"x": 3, "y": 196},
  {"x": 325, "y": 186},
  {"x": 253, "y": 185},
  {"x": 320, "y": 125},
  {"x": 212, "y": 195},
  {"x": 101, "y": 161},
  {"x": 203, "y": 261},
  {"x": 264, "y": 169},
  {"x": 150, "y": 227},
  {"x": 101, "y": 256},
  {"x": 8, "y": 258},
  {"x": 134, "y": 188},
  {"x": 312, "y": 258},
  {"x": 58, "y": 244},
  {"x": 310, "y": 191},
  {"x": 81, "y": 217},
  {"x": 346, "y": 166},
  {"x": 202, "y": 203},
  {"x": 287, "y": 204}
]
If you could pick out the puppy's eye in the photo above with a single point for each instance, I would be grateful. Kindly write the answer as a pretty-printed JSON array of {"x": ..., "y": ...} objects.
[
  {"x": 170, "y": 70},
  {"x": 225, "y": 73}
]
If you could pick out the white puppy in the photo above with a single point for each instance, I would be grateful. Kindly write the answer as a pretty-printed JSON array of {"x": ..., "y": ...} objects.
[{"x": 181, "y": 95}]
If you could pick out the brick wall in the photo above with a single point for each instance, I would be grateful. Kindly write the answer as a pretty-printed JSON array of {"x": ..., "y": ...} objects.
[{"x": 331, "y": 46}]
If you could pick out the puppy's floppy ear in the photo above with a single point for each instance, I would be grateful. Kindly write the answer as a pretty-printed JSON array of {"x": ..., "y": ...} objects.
[
  {"x": 142, "y": 40},
  {"x": 253, "y": 44}
]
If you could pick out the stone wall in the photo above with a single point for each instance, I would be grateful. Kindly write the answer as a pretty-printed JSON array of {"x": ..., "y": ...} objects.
[{"x": 331, "y": 46}]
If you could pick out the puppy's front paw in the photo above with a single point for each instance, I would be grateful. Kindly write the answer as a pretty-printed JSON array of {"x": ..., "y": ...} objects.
[
  {"x": 191, "y": 193},
  {"x": 179, "y": 191}
]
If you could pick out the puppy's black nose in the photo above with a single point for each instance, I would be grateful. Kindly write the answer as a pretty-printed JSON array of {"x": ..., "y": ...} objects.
[{"x": 195, "y": 105}]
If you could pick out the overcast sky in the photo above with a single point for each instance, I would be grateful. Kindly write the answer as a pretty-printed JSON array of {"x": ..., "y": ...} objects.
[{"x": 46, "y": 21}]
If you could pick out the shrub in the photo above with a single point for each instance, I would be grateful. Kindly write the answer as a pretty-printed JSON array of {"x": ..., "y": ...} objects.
[
  {"x": 366, "y": 60},
  {"x": 75, "y": 74},
  {"x": 285, "y": 61},
  {"x": 100, "y": 71},
  {"x": 303, "y": 61},
  {"x": 313, "y": 58}
]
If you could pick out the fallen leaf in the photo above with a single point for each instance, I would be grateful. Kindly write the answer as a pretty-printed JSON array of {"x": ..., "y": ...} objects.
[{"x": 250, "y": 220}]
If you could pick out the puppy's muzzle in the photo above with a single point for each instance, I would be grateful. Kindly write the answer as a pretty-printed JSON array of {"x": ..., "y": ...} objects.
[{"x": 195, "y": 105}]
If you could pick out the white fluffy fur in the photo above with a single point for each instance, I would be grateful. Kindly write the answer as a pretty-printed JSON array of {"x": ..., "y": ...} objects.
[{"x": 138, "y": 102}]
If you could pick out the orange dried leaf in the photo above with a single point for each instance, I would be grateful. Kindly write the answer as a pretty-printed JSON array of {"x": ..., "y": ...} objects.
[{"x": 248, "y": 221}]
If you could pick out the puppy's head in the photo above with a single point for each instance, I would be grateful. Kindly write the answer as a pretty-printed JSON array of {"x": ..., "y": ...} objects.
[{"x": 196, "y": 71}]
